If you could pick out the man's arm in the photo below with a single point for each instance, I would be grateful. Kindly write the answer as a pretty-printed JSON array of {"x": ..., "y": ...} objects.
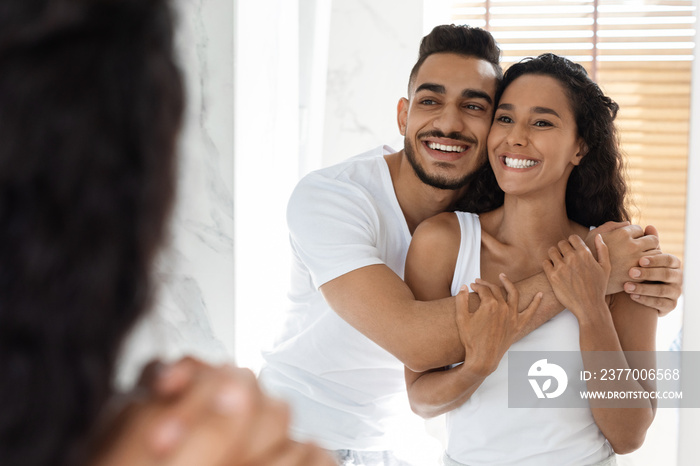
[{"x": 421, "y": 334}]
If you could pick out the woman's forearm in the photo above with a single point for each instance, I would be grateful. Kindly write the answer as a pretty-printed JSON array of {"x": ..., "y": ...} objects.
[
  {"x": 624, "y": 422},
  {"x": 436, "y": 392}
]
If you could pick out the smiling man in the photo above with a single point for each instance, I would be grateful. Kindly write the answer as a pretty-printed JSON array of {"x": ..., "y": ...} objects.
[{"x": 353, "y": 323}]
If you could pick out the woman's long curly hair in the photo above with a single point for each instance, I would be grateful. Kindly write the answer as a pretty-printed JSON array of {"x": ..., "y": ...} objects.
[
  {"x": 90, "y": 108},
  {"x": 597, "y": 188}
]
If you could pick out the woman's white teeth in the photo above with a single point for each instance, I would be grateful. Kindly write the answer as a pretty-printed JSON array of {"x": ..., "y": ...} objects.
[
  {"x": 444, "y": 148},
  {"x": 519, "y": 163}
]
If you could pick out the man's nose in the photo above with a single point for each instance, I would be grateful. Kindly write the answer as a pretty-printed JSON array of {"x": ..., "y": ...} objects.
[{"x": 450, "y": 120}]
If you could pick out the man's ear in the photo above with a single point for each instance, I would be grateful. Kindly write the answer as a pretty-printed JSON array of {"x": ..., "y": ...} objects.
[
  {"x": 582, "y": 151},
  {"x": 402, "y": 115}
]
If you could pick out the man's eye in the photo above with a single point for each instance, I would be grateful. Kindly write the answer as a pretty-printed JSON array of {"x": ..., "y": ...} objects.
[
  {"x": 428, "y": 102},
  {"x": 473, "y": 107}
]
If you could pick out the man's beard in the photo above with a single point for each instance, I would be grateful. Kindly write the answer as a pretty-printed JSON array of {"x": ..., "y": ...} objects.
[{"x": 437, "y": 181}]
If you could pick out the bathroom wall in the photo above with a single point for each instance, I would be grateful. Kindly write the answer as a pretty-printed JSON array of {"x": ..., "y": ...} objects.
[
  {"x": 372, "y": 48},
  {"x": 193, "y": 310}
]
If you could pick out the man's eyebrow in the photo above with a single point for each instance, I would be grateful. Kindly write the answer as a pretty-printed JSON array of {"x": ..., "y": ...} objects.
[
  {"x": 437, "y": 88},
  {"x": 546, "y": 110},
  {"x": 466, "y": 94},
  {"x": 475, "y": 94}
]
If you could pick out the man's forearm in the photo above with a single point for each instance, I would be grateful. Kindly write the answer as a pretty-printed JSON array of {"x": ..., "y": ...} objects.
[{"x": 527, "y": 289}]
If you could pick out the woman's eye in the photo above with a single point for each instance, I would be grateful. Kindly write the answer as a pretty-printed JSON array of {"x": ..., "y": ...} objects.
[
  {"x": 504, "y": 119},
  {"x": 542, "y": 123}
]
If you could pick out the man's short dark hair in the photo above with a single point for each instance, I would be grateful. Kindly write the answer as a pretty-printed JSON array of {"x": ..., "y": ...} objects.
[{"x": 459, "y": 39}]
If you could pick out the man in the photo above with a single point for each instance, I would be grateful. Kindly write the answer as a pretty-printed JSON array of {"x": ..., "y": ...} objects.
[{"x": 353, "y": 323}]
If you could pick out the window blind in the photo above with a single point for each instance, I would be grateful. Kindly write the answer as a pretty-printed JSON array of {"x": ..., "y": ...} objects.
[{"x": 640, "y": 53}]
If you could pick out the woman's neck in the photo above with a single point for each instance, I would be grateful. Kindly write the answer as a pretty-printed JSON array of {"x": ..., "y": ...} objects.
[{"x": 531, "y": 224}]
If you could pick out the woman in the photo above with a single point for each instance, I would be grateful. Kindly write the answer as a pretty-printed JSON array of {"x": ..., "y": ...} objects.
[
  {"x": 90, "y": 108},
  {"x": 553, "y": 151}
]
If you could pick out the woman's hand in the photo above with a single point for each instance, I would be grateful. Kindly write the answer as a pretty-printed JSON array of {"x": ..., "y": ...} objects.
[
  {"x": 193, "y": 413},
  {"x": 579, "y": 280},
  {"x": 488, "y": 332}
]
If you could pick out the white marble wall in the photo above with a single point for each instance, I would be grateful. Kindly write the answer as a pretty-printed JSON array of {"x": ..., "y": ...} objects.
[
  {"x": 193, "y": 312},
  {"x": 373, "y": 46}
]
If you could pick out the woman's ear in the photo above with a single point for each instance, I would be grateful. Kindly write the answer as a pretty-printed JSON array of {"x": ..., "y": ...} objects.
[
  {"x": 582, "y": 151},
  {"x": 402, "y": 115}
]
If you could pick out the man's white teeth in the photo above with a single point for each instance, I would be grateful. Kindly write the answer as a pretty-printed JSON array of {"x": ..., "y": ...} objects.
[
  {"x": 519, "y": 163},
  {"x": 444, "y": 148}
]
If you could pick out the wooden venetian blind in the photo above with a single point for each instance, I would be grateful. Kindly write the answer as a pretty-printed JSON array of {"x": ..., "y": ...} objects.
[{"x": 640, "y": 53}]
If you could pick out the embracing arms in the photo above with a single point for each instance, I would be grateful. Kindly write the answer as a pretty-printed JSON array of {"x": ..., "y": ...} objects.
[
  {"x": 429, "y": 271},
  {"x": 423, "y": 335}
]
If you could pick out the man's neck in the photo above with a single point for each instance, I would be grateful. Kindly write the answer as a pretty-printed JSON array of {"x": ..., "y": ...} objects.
[{"x": 417, "y": 200}]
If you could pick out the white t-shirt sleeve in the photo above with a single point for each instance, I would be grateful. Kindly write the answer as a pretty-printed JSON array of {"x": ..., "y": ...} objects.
[{"x": 333, "y": 227}]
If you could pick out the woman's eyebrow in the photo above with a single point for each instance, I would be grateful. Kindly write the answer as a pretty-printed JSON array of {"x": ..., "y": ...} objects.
[{"x": 546, "y": 110}]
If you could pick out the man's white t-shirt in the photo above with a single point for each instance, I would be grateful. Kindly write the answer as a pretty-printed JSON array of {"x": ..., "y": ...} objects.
[{"x": 346, "y": 392}]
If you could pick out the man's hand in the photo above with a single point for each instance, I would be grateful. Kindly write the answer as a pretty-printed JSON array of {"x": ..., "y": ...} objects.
[
  {"x": 657, "y": 280},
  {"x": 639, "y": 267},
  {"x": 193, "y": 413},
  {"x": 627, "y": 245}
]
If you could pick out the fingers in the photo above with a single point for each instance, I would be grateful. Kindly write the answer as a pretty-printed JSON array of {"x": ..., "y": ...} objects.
[
  {"x": 229, "y": 421},
  {"x": 548, "y": 268},
  {"x": 150, "y": 373},
  {"x": 661, "y": 260},
  {"x": 495, "y": 289},
  {"x": 653, "y": 290},
  {"x": 603, "y": 254},
  {"x": 610, "y": 226},
  {"x": 634, "y": 231},
  {"x": 672, "y": 277},
  {"x": 554, "y": 256},
  {"x": 662, "y": 305},
  {"x": 512, "y": 294},
  {"x": 483, "y": 290},
  {"x": 267, "y": 430},
  {"x": 651, "y": 230},
  {"x": 532, "y": 307},
  {"x": 172, "y": 380},
  {"x": 565, "y": 247},
  {"x": 214, "y": 392},
  {"x": 577, "y": 243},
  {"x": 222, "y": 419},
  {"x": 648, "y": 242}
]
